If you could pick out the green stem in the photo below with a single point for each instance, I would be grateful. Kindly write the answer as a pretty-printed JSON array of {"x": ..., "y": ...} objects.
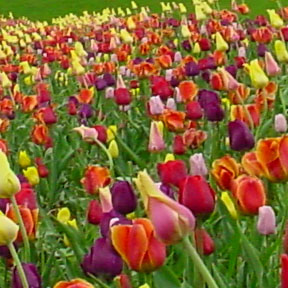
[
  {"x": 19, "y": 267},
  {"x": 22, "y": 229},
  {"x": 98, "y": 281},
  {"x": 191, "y": 251}
]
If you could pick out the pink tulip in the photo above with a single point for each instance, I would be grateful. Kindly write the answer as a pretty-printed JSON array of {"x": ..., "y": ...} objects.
[
  {"x": 171, "y": 104},
  {"x": 266, "y": 221},
  {"x": 178, "y": 57},
  {"x": 271, "y": 66},
  {"x": 197, "y": 165},
  {"x": 156, "y": 141},
  {"x": 156, "y": 107},
  {"x": 109, "y": 93},
  {"x": 280, "y": 123}
]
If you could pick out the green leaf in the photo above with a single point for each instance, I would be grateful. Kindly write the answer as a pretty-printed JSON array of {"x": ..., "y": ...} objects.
[{"x": 165, "y": 277}]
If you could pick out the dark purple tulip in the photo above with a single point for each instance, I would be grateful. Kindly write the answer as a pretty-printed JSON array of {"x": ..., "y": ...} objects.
[
  {"x": 22, "y": 178},
  {"x": 90, "y": 55},
  {"x": 150, "y": 60},
  {"x": 206, "y": 97},
  {"x": 186, "y": 45},
  {"x": 171, "y": 45},
  {"x": 74, "y": 100},
  {"x": 174, "y": 82},
  {"x": 206, "y": 75},
  {"x": 107, "y": 217},
  {"x": 214, "y": 112},
  {"x": 3, "y": 204},
  {"x": 123, "y": 198},
  {"x": 261, "y": 49},
  {"x": 110, "y": 79},
  {"x": 166, "y": 189},
  {"x": 137, "y": 60},
  {"x": 225, "y": 22},
  {"x": 100, "y": 84},
  {"x": 232, "y": 69},
  {"x": 5, "y": 252},
  {"x": 13, "y": 76},
  {"x": 38, "y": 45},
  {"x": 240, "y": 137},
  {"x": 32, "y": 276},
  {"x": 102, "y": 259},
  {"x": 85, "y": 111},
  {"x": 192, "y": 69}
]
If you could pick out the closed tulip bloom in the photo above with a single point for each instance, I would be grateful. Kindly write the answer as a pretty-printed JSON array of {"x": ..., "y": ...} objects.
[
  {"x": 122, "y": 96},
  {"x": 79, "y": 283},
  {"x": 214, "y": 112},
  {"x": 113, "y": 149},
  {"x": 23, "y": 159},
  {"x": 89, "y": 135},
  {"x": 156, "y": 141},
  {"x": 221, "y": 44},
  {"x": 155, "y": 105},
  {"x": 206, "y": 97},
  {"x": 261, "y": 50},
  {"x": 204, "y": 242},
  {"x": 280, "y": 123},
  {"x": 284, "y": 271},
  {"x": 194, "y": 110},
  {"x": 240, "y": 137},
  {"x": 266, "y": 221},
  {"x": 197, "y": 195},
  {"x": 9, "y": 183},
  {"x": 275, "y": 19},
  {"x": 171, "y": 104},
  {"x": 123, "y": 281},
  {"x": 197, "y": 165},
  {"x": 172, "y": 172},
  {"x": 179, "y": 147},
  {"x": 31, "y": 173},
  {"x": 192, "y": 69},
  {"x": 171, "y": 220},
  {"x": 271, "y": 66},
  {"x": 102, "y": 259},
  {"x": 257, "y": 75},
  {"x": 8, "y": 230},
  {"x": 250, "y": 193},
  {"x": 140, "y": 237},
  {"x": 32, "y": 276},
  {"x": 229, "y": 204},
  {"x": 188, "y": 91},
  {"x": 281, "y": 51},
  {"x": 95, "y": 213},
  {"x": 124, "y": 199}
]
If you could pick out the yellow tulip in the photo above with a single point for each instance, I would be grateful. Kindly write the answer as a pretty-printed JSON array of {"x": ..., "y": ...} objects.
[
  {"x": 23, "y": 159},
  {"x": 144, "y": 286},
  {"x": 63, "y": 215},
  {"x": 25, "y": 67},
  {"x": 126, "y": 36},
  {"x": 134, "y": 5},
  {"x": 9, "y": 182},
  {"x": 229, "y": 204},
  {"x": 281, "y": 51},
  {"x": 111, "y": 131},
  {"x": 8, "y": 230},
  {"x": 185, "y": 31},
  {"x": 182, "y": 8},
  {"x": 6, "y": 83},
  {"x": 80, "y": 50},
  {"x": 275, "y": 19},
  {"x": 169, "y": 157},
  {"x": 221, "y": 44},
  {"x": 196, "y": 49},
  {"x": 113, "y": 149},
  {"x": 257, "y": 75},
  {"x": 130, "y": 23},
  {"x": 206, "y": 8},
  {"x": 31, "y": 173},
  {"x": 200, "y": 15}
]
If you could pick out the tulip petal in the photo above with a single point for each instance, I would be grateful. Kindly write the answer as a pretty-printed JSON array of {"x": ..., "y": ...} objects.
[{"x": 120, "y": 238}]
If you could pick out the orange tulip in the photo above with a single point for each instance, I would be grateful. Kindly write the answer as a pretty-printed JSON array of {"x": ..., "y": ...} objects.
[
  {"x": 188, "y": 90},
  {"x": 224, "y": 171},
  {"x": 40, "y": 134},
  {"x": 85, "y": 96},
  {"x": 252, "y": 166},
  {"x": 95, "y": 177},
  {"x": 242, "y": 92},
  {"x": 29, "y": 103},
  {"x": 249, "y": 192},
  {"x": 138, "y": 246},
  {"x": 75, "y": 283},
  {"x": 238, "y": 112},
  {"x": 265, "y": 97}
]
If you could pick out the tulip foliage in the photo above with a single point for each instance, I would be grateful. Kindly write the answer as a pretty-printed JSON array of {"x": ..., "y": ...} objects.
[{"x": 145, "y": 150}]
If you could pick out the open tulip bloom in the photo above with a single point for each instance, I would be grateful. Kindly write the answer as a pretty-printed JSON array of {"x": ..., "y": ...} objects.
[{"x": 143, "y": 149}]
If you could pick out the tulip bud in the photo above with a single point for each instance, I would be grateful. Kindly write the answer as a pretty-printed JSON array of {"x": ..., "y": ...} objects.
[
  {"x": 284, "y": 271},
  {"x": 275, "y": 18},
  {"x": 123, "y": 198},
  {"x": 23, "y": 159},
  {"x": 204, "y": 242},
  {"x": 266, "y": 221},
  {"x": 113, "y": 149},
  {"x": 32, "y": 276},
  {"x": 155, "y": 105},
  {"x": 271, "y": 65},
  {"x": 228, "y": 202},
  {"x": 8, "y": 230},
  {"x": 197, "y": 165},
  {"x": 221, "y": 44},
  {"x": 280, "y": 123},
  {"x": 111, "y": 131},
  {"x": 281, "y": 51},
  {"x": 31, "y": 173},
  {"x": 123, "y": 281},
  {"x": 179, "y": 146},
  {"x": 156, "y": 141},
  {"x": 95, "y": 213}
]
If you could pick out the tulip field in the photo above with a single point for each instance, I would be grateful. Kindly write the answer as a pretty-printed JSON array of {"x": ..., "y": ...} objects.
[{"x": 145, "y": 148}]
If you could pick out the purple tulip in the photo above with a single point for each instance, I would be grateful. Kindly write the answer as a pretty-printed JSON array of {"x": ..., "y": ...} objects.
[
  {"x": 32, "y": 276},
  {"x": 166, "y": 189},
  {"x": 73, "y": 100},
  {"x": 137, "y": 60},
  {"x": 206, "y": 97},
  {"x": 124, "y": 199},
  {"x": 5, "y": 252},
  {"x": 174, "y": 82},
  {"x": 240, "y": 137},
  {"x": 100, "y": 84},
  {"x": 192, "y": 69},
  {"x": 206, "y": 75},
  {"x": 232, "y": 69},
  {"x": 186, "y": 45},
  {"x": 3, "y": 204},
  {"x": 106, "y": 221},
  {"x": 102, "y": 259},
  {"x": 110, "y": 79},
  {"x": 214, "y": 112},
  {"x": 261, "y": 49},
  {"x": 85, "y": 111}
]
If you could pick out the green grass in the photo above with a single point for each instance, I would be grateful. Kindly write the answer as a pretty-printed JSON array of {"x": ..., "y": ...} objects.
[{"x": 47, "y": 9}]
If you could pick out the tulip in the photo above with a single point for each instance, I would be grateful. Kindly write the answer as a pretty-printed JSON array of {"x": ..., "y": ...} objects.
[
  {"x": 188, "y": 90},
  {"x": 176, "y": 220},
  {"x": 284, "y": 271},
  {"x": 172, "y": 172},
  {"x": 266, "y": 221},
  {"x": 122, "y": 96},
  {"x": 155, "y": 105},
  {"x": 32, "y": 276},
  {"x": 192, "y": 69},
  {"x": 171, "y": 104},
  {"x": 193, "y": 110},
  {"x": 275, "y": 18},
  {"x": 179, "y": 146},
  {"x": 250, "y": 193},
  {"x": 257, "y": 75},
  {"x": 214, "y": 112},
  {"x": 95, "y": 213},
  {"x": 261, "y": 50},
  {"x": 221, "y": 44},
  {"x": 94, "y": 178},
  {"x": 197, "y": 165},
  {"x": 113, "y": 149},
  {"x": 8, "y": 230},
  {"x": 102, "y": 259},
  {"x": 271, "y": 65},
  {"x": 281, "y": 51},
  {"x": 139, "y": 236},
  {"x": 88, "y": 134},
  {"x": 197, "y": 195},
  {"x": 123, "y": 198},
  {"x": 185, "y": 31},
  {"x": 42, "y": 169},
  {"x": 204, "y": 242},
  {"x": 9, "y": 183},
  {"x": 224, "y": 170},
  {"x": 240, "y": 137},
  {"x": 156, "y": 141},
  {"x": 79, "y": 283},
  {"x": 280, "y": 123},
  {"x": 229, "y": 204},
  {"x": 111, "y": 132},
  {"x": 123, "y": 281},
  {"x": 31, "y": 173},
  {"x": 102, "y": 133}
]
